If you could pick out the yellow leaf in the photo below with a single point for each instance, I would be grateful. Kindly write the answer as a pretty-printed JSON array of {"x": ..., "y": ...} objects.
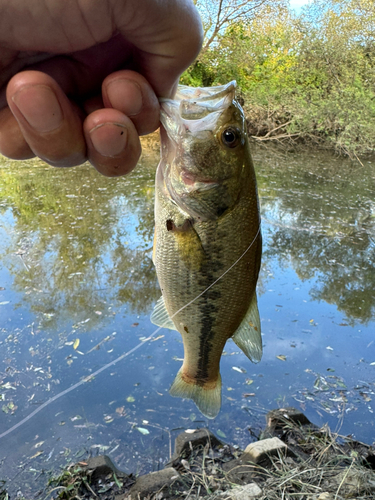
[
  {"x": 76, "y": 344},
  {"x": 281, "y": 357}
]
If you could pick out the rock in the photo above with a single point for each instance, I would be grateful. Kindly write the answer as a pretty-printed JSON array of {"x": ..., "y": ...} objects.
[
  {"x": 241, "y": 470},
  {"x": 196, "y": 438},
  {"x": 261, "y": 451},
  {"x": 277, "y": 417},
  {"x": 279, "y": 420},
  {"x": 100, "y": 467},
  {"x": 166, "y": 481},
  {"x": 247, "y": 492},
  {"x": 186, "y": 442}
]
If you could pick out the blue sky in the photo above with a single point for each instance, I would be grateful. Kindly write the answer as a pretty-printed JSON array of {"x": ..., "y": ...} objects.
[{"x": 297, "y": 4}]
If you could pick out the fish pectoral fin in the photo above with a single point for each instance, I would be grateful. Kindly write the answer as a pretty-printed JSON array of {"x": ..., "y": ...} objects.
[
  {"x": 160, "y": 316},
  {"x": 248, "y": 336},
  {"x": 207, "y": 399}
]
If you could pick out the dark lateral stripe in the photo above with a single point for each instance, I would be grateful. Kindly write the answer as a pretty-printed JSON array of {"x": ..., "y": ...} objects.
[{"x": 208, "y": 312}]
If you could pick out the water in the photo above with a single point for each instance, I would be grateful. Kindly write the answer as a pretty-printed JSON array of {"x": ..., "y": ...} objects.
[{"x": 78, "y": 287}]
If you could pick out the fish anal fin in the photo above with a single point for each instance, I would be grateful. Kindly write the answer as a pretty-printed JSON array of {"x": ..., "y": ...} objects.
[
  {"x": 207, "y": 398},
  {"x": 160, "y": 316},
  {"x": 248, "y": 335}
]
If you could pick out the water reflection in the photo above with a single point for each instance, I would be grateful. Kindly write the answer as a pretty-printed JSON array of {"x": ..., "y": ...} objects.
[
  {"x": 75, "y": 249},
  {"x": 323, "y": 225},
  {"x": 79, "y": 241}
]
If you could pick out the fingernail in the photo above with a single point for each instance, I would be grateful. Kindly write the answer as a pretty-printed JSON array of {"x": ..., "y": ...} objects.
[
  {"x": 125, "y": 95},
  {"x": 40, "y": 107},
  {"x": 109, "y": 139}
]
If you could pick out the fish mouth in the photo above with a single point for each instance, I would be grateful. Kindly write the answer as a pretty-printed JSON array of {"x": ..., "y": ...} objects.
[
  {"x": 195, "y": 111},
  {"x": 190, "y": 179}
]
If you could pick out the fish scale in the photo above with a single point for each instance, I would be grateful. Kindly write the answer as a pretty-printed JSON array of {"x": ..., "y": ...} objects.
[{"x": 207, "y": 218}]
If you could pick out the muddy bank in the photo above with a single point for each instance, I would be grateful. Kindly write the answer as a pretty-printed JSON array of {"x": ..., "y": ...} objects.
[{"x": 292, "y": 459}]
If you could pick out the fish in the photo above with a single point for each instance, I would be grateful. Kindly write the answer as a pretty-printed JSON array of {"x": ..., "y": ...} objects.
[{"x": 207, "y": 244}]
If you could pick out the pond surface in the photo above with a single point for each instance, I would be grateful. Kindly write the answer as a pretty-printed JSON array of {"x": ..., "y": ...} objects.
[{"x": 77, "y": 287}]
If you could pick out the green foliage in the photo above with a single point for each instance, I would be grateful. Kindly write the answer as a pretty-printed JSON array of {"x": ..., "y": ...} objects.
[
  {"x": 198, "y": 75},
  {"x": 310, "y": 77}
]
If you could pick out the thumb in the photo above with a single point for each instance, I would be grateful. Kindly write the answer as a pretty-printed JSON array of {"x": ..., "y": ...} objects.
[{"x": 166, "y": 36}]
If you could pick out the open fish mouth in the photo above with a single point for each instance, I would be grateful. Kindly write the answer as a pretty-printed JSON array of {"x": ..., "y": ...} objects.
[{"x": 195, "y": 110}]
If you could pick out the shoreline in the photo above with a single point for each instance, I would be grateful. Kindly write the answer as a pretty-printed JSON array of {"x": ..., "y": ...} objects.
[{"x": 293, "y": 458}]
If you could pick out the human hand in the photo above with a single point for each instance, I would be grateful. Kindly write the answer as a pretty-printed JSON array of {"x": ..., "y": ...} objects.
[{"x": 80, "y": 79}]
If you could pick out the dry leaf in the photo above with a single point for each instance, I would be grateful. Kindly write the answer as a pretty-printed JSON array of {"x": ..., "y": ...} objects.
[{"x": 281, "y": 357}]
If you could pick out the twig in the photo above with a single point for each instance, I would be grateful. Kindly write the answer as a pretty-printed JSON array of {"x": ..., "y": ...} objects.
[
  {"x": 277, "y": 128},
  {"x": 89, "y": 488},
  {"x": 276, "y": 137},
  {"x": 343, "y": 479}
]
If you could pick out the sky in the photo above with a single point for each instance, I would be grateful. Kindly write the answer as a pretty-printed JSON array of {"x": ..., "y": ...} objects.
[{"x": 297, "y": 4}]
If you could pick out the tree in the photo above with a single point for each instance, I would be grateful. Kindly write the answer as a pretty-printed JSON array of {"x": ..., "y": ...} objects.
[{"x": 217, "y": 15}]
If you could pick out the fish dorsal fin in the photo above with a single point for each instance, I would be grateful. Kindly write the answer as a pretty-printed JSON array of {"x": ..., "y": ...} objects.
[
  {"x": 248, "y": 336},
  {"x": 160, "y": 316}
]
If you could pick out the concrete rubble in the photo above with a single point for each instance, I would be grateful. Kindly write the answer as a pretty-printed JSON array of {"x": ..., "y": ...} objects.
[{"x": 202, "y": 466}]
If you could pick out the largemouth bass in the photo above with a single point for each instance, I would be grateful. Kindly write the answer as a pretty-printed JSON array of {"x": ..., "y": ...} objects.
[{"x": 207, "y": 246}]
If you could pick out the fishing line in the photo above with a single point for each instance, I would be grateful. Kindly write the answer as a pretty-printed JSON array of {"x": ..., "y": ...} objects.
[{"x": 112, "y": 363}]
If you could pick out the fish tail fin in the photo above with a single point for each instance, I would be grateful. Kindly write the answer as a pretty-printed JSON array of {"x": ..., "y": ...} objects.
[{"x": 207, "y": 399}]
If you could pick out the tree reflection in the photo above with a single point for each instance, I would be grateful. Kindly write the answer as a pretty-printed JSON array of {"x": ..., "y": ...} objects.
[
  {"x": 79, "y": 243},
  {"x": 82, "y": 238},
  {"x": 323, "y": 225}
]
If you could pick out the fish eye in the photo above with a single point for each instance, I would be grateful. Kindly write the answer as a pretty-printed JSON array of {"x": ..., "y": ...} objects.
[{"x": 231, "y": 137}]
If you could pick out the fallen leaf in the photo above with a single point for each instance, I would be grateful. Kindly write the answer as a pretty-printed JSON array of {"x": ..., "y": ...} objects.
[
  {"x": 76, "y": 344},
  {"x": 238, "y": 369},
  {"x": 157, "y": 338},
  {"x": 143, "y": 431},
  {"x": 7, "y": 385},
  {"x": 121, "y": 410},
  {"x": 281, "y": 357}
]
